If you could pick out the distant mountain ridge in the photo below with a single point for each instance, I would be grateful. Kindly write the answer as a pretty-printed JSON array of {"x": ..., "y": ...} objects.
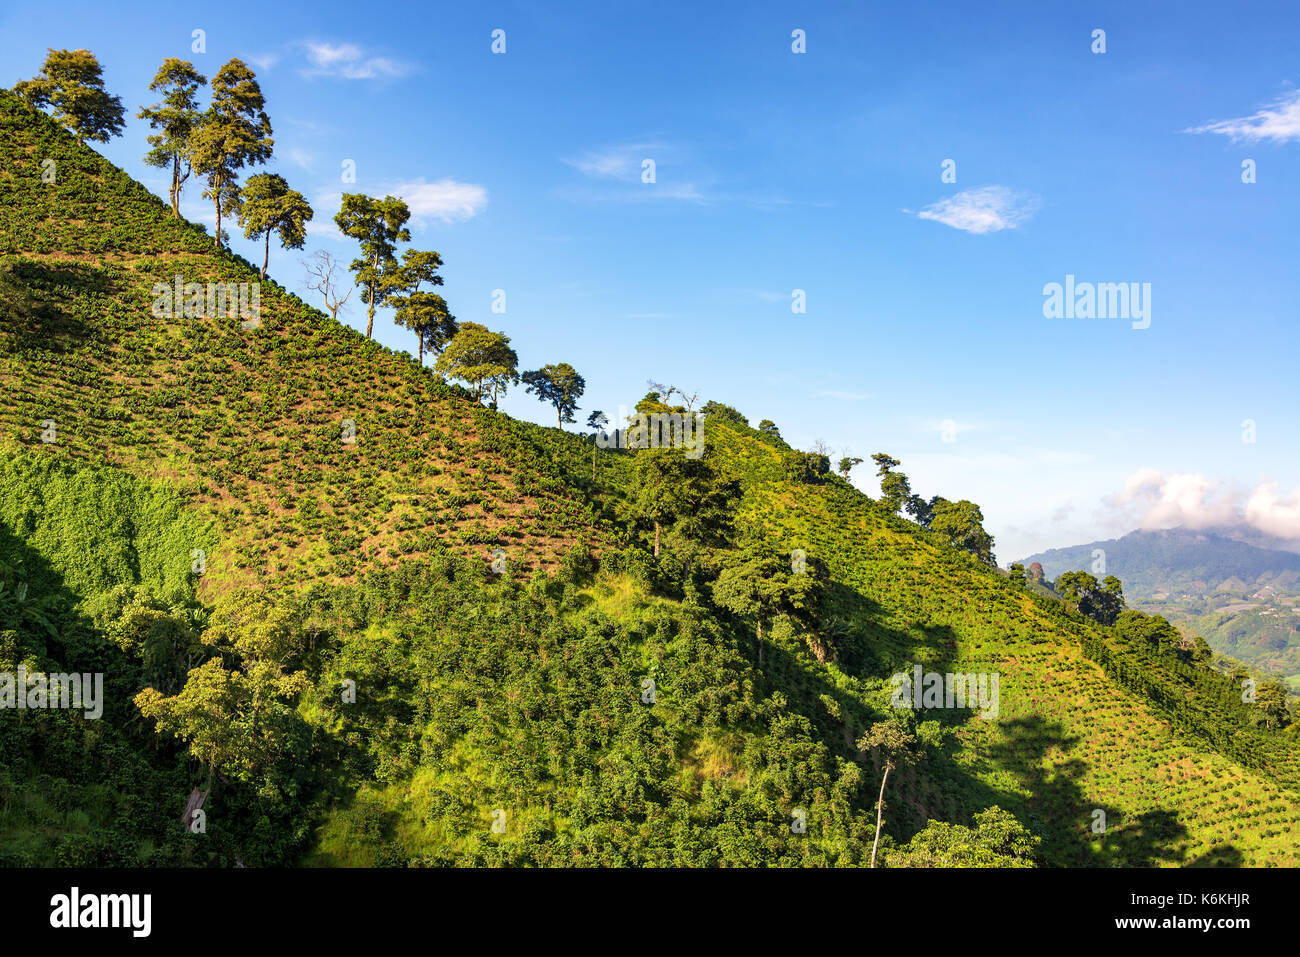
[
  {"x": 1243, "y": 599},
  {"x": 1150, "y": 562}
]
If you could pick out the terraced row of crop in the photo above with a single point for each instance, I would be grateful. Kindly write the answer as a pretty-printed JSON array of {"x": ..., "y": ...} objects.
[
  {"x": 250, "y": 422},
  {"x": 1067, "y": 740}
]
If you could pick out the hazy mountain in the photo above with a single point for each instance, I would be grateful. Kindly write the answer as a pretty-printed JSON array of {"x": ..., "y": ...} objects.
[{"x": 1243, "y": 599}]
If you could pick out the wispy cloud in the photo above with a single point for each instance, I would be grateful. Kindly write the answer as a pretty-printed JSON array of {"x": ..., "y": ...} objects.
[
  {"x": 952, "y": 425},
  {"x": 348, "y": 61},
  {"x": 626, "y": 164},
  {"x": 446, "y": 199},
  {"x": 326, "y": 203},
  {"x": 986, "y": 209},
  {"x": 263, "y": 61},
  {"x": 299, "y": 157},
  {"x": 618, "y": 162},
  {"x": 1279, "y": 123}
]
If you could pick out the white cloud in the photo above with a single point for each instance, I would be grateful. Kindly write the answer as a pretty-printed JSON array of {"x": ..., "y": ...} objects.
[
  {"x": 299, "y": 157},
  {"x": 1279, "y": 123},
  {"x": 446, "y": 200},
  {"x": 986, "y": 209},
  {"x": 322, "y": 226},
  {"x": 618, "y": 162},
  {"x": 348, "y": 61},
  {"x": 624, "y": 164},
  {"x": 1196, "y": 501},
  {"x": 263, "y": 61},
  {"x": 1280, "y": 517},
  {"x": 1188, "y": 499}
]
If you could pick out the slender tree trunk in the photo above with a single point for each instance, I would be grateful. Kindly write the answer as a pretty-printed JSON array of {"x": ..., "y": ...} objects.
[
  {"x": 760, "y": 643},
  {"x": 656, "y": 539},
  {"x": 559, "y": 419},
  {"x": 880, "y": 810},
  {"x": 266, "y": 256},
  {"x": 421, "y": 335},
  {"x": 370, "y": 311},
  {"x": 216, "y": 201},
  {"x": 176, "y": 185}
]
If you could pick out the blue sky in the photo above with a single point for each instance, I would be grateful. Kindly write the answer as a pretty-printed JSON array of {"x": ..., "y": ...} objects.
[{"x": 821, "y": 171}]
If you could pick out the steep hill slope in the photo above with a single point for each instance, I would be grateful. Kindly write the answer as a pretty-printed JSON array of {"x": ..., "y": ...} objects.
[
  {"x": 390, "y": 701},
  {"x": 1068, "y": 740},
  {"x": 313, "y": 449}
]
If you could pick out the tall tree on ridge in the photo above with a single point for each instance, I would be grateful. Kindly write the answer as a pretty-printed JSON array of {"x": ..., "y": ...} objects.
[
  {"x": 425, "y": 313},
  {"x": 963, "y": 524},
  {"x": 71, "y": 83},
  {"x": 267, "y": 205},
  {"x": 378, "y": 225},
  {"x": 232, "y": 134},
  {"x": 174, "y": 119},
  {"x": 558, "y": 384},
  {"x": 481, "y": 357}
]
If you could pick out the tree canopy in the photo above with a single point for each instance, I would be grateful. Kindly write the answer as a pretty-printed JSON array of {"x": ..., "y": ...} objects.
[
  {"x": 71, "y": 84},
  {"x": 268, "y": 205},
  {"x": 423, "y": 312},
  {"x": 560, "y": 385},
  {"x": 378, "y": 225},
  {"x": 233, "y": 133},
  {"x": 482, "y": 358},
  {"x": 174, "y": 119}
]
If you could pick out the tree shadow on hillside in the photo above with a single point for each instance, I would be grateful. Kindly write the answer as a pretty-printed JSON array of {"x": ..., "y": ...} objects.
[
  {"x": 864, "y": 647},
  {"x": 941, "y": 788},
  {"x": 1226, "y": 856},
  {"x": 33, "y": 294},
  {"x": 1083, "y": 833},
  {"x": 1037, "y": 751}
]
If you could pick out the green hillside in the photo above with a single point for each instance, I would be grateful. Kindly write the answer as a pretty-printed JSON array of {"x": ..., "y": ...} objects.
[
  {"x": 1244, "y": 600},
  {"x": 358, "y": 685},
  {"x": 249, "y": 424}
]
